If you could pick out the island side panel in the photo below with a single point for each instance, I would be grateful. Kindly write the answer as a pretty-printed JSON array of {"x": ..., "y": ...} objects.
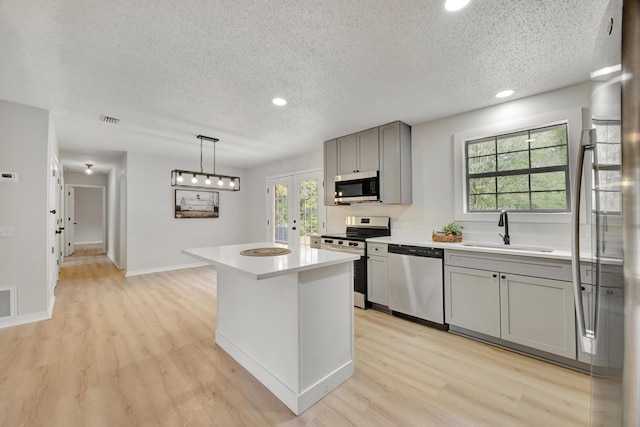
[
  {"x": 326, "y": 330},
  {"x": 257, "y": 324}
]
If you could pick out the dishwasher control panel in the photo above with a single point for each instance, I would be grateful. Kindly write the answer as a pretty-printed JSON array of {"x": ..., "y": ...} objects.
[{"x": 416, "y": 251}]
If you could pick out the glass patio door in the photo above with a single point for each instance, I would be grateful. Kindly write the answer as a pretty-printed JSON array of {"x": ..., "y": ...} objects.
[{"x": 295, "y": 208}]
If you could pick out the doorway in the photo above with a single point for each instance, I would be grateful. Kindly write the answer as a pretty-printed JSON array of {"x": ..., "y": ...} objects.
[
  {"x": 295, "y": 208},
  {"x": 85, "y": 217}
]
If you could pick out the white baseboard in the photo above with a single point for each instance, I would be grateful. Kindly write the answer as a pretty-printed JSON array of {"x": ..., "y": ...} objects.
[
  {"x": 27, "y": 318},
  {"x": 113, "y": 260},
  {"x": 296, "y": 402},
  {"x": 51, "y": 304},
  {"x": 166, "y": 268}
]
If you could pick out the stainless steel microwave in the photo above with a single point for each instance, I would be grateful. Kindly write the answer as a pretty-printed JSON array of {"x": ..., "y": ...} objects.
[{"x": 358, "y": 187}]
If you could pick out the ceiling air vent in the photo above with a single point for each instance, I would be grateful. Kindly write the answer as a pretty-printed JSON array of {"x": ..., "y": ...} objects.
[{"x": 108, "y": 119}]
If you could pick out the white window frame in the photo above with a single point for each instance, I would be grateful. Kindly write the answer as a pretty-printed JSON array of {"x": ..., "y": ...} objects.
[{"x": 576, "y": 119}]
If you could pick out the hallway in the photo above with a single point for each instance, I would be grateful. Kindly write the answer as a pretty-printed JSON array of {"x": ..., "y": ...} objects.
[{"x": 88, "y": 262}]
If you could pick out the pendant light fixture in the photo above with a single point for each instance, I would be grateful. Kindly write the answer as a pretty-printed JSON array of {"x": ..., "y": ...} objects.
[
  {"x": 202, "y": 179},
  {"x": 88, "y": 170}
]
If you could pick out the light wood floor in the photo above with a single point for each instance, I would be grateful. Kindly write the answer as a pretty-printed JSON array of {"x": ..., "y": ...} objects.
[{"x": 140, "y": 351}]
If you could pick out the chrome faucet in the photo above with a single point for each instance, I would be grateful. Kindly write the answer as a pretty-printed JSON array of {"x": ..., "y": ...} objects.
[{"x": 504, "y": 222}]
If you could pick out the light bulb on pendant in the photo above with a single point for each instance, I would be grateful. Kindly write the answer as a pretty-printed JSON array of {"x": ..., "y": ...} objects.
[
  {"x": 220, "y": 182},
  {"x": 208, "y": 180},
  {"x": 180, "y": 178},
  {"x": 194, "y": 180},
  {"x": 232, "y": 183},
  {"x": 88, "y": 170}
]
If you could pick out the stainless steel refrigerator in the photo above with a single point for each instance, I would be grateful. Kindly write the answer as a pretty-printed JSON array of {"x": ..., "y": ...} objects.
[{"x": 606, "y": 254}]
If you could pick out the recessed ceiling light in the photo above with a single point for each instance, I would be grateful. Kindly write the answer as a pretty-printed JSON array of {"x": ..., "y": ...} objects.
[
  {"x": 453, "y": 5},
  {"x": 504, "y": 93},
  {"x": 279, "y": 101}
]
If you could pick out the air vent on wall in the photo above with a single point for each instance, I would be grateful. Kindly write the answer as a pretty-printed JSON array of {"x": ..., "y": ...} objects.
[{"x": 108, "y": 119}]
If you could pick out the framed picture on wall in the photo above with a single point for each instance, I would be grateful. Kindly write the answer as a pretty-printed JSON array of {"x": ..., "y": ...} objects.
[{"x": 196, "y": 204}]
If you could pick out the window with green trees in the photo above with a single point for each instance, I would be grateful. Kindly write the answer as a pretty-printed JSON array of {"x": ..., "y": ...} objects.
[
  {"x": 607, "y": 167},
  {"x": 308, "y": 210},
  {"x": 523, "y": 171}
]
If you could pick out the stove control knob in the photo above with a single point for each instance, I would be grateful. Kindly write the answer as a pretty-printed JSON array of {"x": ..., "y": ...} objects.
[
  {"x": 353, "y": 244},
  {"x": 340, "y": 242},
  {"x": 328, "y": 241}
]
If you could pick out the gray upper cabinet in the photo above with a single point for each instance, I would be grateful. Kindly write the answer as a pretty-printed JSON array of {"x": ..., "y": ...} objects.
[
  {"x": 368, "y": 150},
  {"x": 358, "y": 152},
  {"x": 395, "y": 163},
  {"x": 347, "y": 154},
  {"x": 386, "y": 149},
  {"x": 330, "y": 171}
]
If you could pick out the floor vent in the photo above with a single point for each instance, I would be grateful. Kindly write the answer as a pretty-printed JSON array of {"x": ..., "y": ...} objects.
[{"x": 7, "y": 305}]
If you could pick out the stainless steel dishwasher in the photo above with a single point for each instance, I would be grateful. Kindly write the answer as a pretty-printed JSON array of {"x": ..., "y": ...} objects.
[{"x": 416, "y": 282}]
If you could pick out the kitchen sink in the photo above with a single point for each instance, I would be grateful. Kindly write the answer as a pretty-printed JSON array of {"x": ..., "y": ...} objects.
[{"x": 508, "y": 247}]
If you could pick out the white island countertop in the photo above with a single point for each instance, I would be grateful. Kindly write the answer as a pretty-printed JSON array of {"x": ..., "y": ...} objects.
[{"x": 301, "y": 258}]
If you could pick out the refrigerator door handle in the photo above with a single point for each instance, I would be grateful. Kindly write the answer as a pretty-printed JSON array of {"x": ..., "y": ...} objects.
[{"x": 586, "y": 337}]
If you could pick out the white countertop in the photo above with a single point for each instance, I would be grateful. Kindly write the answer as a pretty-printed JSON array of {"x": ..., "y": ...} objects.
[
  {"x": 560, "y": 254},
  {"x": 301, "y": 258}
]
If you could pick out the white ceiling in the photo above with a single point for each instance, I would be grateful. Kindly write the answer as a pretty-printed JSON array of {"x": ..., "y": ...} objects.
[{"x": 170, "y": 70}]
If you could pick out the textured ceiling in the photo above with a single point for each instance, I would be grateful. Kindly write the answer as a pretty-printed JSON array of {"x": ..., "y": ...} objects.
[{"x": 170, "y": 70}]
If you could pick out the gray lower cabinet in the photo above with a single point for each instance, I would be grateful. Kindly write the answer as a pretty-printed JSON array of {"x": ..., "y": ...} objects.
[
  {"x": 521, "y": 300},
  {"x": 472, "y": 299},
  {"x": 377, "y": 274},
  {"x": 538, "y": 313}
]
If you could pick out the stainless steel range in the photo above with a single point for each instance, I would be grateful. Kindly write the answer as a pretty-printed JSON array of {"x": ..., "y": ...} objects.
[{"x": 354, "y": 241}]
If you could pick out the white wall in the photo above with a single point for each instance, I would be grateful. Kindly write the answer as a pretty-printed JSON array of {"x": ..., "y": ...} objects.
[
  {"x": 154, "y": 237},
  {"x": 117, "y": 213},
  {"x": 84, "y": 179},
  {"x": 23, "y": 258},
  {"x": 89, "y": 213},
  {"x": 433, "y": 176}
]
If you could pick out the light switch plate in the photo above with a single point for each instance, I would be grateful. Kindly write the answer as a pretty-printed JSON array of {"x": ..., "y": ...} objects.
[{"x": 6, "y": 231}]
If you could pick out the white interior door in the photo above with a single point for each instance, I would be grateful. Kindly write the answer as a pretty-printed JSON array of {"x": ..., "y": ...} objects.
[
  {"x": 295, "y": 210},
  {"x": 54, "y": 226},
  {"x": 71, "y": 222}
]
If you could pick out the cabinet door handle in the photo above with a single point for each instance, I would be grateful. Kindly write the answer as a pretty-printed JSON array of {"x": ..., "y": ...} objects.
[
  {"x": 495, "y": 275},
  {"x": 53, "y": 211},
  {"x": 503, "y": 277}
]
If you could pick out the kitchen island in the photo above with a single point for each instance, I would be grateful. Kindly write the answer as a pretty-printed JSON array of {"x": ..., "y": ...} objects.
[{"x": 287, "y": 319}]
